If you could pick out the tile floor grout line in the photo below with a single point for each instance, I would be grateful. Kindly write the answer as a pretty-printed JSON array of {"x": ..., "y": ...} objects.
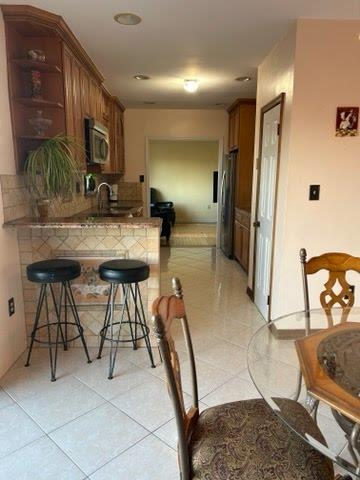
[
  {"x": 126, "y": 449},
  {"x": 43, "y": 436}
]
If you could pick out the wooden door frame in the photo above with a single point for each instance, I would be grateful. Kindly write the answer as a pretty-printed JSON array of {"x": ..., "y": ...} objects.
[{"x": 279, "y": 100}]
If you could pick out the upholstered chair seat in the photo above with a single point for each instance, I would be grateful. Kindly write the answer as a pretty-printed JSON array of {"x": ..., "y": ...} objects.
[{"x": 246, "y": 441}]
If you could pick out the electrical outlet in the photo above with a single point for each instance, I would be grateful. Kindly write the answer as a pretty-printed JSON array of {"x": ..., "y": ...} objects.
[{"x": 11, "y": 305}]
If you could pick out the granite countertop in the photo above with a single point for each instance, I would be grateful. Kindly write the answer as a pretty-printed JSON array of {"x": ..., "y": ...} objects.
[
  {"x": 91, "y": 218},
  {"x": 85, "y": 222}
]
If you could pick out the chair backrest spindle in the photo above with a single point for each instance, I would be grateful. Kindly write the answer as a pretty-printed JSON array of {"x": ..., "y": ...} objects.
[{"x": 337, "y": 265}]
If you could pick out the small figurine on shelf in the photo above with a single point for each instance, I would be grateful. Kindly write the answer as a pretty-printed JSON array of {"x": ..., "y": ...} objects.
[
  {"x": 40, "y": 124},
  {"x": 35, "y": 84},
  {"x": 36, "y": 55}
]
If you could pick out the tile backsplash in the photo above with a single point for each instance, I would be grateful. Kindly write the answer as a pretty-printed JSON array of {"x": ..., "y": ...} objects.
[
  {"x": 15, "y": 197},
  {"x": 130, "y": 191},
  {"x": 17, "y": 202}
]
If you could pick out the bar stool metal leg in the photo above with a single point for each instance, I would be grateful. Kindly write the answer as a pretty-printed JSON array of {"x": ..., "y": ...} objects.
[
  {"x": 133, "y": 338},
  {"x": 143, "y": 325},
  {"x": 68, "y": 292},
  {"x": 114, "y": 349},
  {"x": 64, "y": 299},
  {"x": 36, "y": 323},
  {"x": 51, "y": 356},
  {"x": 105, "y": 326}
]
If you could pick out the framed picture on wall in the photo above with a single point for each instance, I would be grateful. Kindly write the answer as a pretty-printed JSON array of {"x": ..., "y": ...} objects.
[{"x": 347, "y": 119}]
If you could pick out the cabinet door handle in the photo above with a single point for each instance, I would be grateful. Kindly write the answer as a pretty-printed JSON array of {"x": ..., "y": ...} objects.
[{"x": 256, "y": 224}]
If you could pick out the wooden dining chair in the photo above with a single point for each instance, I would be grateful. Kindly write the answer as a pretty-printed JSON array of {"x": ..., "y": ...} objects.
[
  {"x": 337, "y": 265},
  {"x": 240, "y": 440}
]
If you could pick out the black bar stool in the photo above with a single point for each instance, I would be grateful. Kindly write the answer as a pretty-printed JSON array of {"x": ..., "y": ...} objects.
[
  {"x": 127, "y": 274},
  {"x": 47, "y": 273}
]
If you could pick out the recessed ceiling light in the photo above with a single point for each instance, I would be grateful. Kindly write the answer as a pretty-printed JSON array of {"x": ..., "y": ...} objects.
[
  {"x": 191, "y": 86},
  {"x": 127, "y": 18},
  {"x": 141, "y": 77},
  {"x": 243, "y": 79}
]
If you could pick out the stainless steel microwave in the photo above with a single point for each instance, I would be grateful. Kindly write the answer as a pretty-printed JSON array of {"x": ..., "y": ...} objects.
[{"x": 96, "y": 142}]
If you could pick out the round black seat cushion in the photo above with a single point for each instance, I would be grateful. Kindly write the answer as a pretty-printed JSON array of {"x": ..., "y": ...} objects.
[
  {"x": 124, "y": 271},
  {"x": 53, "y": 271}
]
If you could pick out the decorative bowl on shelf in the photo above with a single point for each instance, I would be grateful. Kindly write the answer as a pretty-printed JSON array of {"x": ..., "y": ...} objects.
[
  {"x": 36, "y": 55},
  {"x": 40, "y": 124}
]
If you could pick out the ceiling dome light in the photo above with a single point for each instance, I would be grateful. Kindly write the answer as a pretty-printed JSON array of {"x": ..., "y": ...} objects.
[
  {"x": 191, "y": 86},
  {"x": 127, "y": 18},
  {"x": 243, "y": 79},
  {"x": 141, "y": 77}
]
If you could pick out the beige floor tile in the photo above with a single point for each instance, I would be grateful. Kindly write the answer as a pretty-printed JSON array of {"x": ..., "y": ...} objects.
[
  {"x": 41, "y": 459},
  {"x": 126, "y": 376},
  {"x": 232, "y": 391},
  {"x": 149, "y": 459},
  {"x": 140, "y": 357},
  {"x": 97, "y": 437},
  {"x": 148, "y": 404},
  {"x": 62, "y": 402},
  {"x": 333, "y": 434},
  {"x": 224, "y": 355},
  {"x": 24, "y": 382},
  {"x": 5, "y": 399},
  {"x": 16, "y": 430},
  {"x": 209, "y": 377},
  {"x": 275, "y": 376}
]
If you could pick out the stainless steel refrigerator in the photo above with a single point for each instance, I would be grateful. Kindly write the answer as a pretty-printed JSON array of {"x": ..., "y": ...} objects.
[{"x": 227, "y": 193}]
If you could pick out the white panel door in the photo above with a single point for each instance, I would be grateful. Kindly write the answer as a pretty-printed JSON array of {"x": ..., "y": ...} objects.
[{"x": 266, "y": 204}]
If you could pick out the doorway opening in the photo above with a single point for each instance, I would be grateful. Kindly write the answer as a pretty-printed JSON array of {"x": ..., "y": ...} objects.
[
  {"x": 182, "y": 189},
  {"x": 269, "y": 157}
]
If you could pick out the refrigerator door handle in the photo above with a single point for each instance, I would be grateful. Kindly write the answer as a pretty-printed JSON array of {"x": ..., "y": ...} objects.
[{"x": 222, "y": 190}]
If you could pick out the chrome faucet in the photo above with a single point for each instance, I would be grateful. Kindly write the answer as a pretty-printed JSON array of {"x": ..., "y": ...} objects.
[{"x": 99, "y": 199}]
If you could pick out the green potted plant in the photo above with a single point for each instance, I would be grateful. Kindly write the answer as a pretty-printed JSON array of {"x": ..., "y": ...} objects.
[{"x": 51, "y": 171}]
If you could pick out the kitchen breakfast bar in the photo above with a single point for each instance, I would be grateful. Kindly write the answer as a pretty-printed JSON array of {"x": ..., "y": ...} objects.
[{"x": 91, "y": 240}]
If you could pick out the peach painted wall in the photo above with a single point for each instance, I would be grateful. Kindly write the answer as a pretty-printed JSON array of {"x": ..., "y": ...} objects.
[
  {"x": 327, "y": 75},
  {"x": 12, "y": 329},
  {"x": 166, "y": 124}
]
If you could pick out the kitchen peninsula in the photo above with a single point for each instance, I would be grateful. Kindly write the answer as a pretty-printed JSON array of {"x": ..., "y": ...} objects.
[{"x": 90, "y": 240}]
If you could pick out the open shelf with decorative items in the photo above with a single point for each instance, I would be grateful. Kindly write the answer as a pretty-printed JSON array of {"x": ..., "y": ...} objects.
[
  {"x": 34, "y": 53},
  {"x": 54, "y": 86}
]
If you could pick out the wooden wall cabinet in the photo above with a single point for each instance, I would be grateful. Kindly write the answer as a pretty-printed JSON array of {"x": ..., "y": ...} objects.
[
  {"x": 241, "y": 138},
  {"x": 116, "y": 136},
  {"x": 242, "y": 238},
  {"x": 234, "y": 115},
  {"x": 72, "y": 86}
]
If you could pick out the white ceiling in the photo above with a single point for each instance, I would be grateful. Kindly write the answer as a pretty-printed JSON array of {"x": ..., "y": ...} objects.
[{"x": 213, "y": 41}]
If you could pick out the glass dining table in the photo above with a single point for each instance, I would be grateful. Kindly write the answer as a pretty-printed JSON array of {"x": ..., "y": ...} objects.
[{"x": 314, "y": 358}]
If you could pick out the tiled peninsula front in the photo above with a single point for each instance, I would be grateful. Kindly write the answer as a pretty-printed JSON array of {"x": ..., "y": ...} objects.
[{"x": 90, "y": 241}]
